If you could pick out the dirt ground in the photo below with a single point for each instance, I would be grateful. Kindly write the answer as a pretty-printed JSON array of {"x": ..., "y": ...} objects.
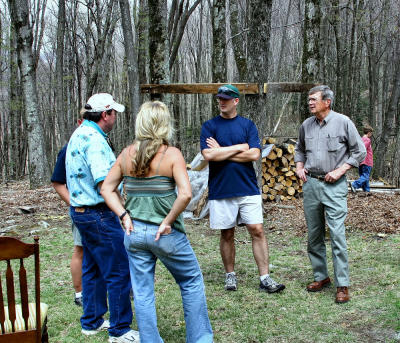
[{"x": 22, "y": 210}]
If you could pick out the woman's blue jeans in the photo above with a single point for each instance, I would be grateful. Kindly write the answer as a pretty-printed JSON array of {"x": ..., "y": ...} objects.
[
  {"x": 363, "y": 182},
  {"x": 175, "y": 252}
]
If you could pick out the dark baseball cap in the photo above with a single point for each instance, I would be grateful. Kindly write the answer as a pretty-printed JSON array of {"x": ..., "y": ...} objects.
[{"x": 228, "y": 92}]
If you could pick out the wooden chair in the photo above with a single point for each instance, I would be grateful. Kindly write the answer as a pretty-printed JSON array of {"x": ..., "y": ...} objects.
[{"x": 23, "y": 322}]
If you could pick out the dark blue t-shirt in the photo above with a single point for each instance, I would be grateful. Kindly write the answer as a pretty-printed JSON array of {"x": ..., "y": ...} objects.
[
  {"x": 228, "y": 179},
  {"x": 59, "y": 173}
]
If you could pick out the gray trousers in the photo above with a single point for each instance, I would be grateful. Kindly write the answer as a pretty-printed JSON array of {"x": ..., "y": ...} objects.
[{"x": 327, "y": 203}]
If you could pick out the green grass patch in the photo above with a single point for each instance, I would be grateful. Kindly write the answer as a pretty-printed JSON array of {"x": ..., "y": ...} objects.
[{"x": 248, "y": 315}]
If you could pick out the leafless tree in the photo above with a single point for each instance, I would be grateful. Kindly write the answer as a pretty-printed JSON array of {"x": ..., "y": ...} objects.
[{"x": 38, "y": 163}]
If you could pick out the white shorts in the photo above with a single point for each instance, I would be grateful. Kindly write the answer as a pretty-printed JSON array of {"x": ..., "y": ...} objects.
[{"x": 230, "y": 212}]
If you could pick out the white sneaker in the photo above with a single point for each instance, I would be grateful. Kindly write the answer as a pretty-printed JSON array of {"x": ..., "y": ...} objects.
[
  {"x": 102, "y": 327},
  {"x": 230, "y": 282},
  {"x": 131, "y": 336}
]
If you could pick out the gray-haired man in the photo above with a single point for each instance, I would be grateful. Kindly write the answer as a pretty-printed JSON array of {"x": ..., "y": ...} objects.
[{"x": 328, "y": 146}]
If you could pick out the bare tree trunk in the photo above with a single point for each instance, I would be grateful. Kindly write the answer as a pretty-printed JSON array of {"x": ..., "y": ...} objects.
[
  {"x": 143, "y": 41},
  {"x": 371, "y": 37},
  {"x": 283, "y": 41},
  {"x": 60, "y": 102},
  {"x": 5, "y": 168},
  {"x": 17, "y": 113},
  {"x": 311, "y": 56},
  {"x": 158, "y": 43},
  {"x": 340, "y": 55},
  {"x": 219, "y": 41},
  {"x": 259, "y": 39},
  {"x": 354, "y": 69},
  {"x": 218, "y": 68},
  {"x": 39, "y": 172},
  {"x": 238, "y": 37},
  {"x": 98, "y": 14},
  {"x": 40, "y": 23},
  {"x": 176, "y": 27},
  {"x": 395, "y": 177},
  {"x": 132, "y": 62},
  {"x": 388, "y": 126}
]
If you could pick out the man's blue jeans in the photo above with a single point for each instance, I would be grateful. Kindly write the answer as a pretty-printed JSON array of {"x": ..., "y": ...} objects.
[
  {"x": 105, "y": 268},
  {"x": 176, "y": 254},
  {"x": 364, "y": 171}
]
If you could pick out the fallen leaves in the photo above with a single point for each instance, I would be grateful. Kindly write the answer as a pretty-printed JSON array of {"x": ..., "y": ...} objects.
[{"x": 379, "y": 213}]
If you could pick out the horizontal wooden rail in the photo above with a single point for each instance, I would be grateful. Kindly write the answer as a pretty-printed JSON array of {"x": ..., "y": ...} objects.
[
  {"x": 288, "y": 87},
  {"x": 212, "y": 88},
  {"x": 196, "y": 88}
]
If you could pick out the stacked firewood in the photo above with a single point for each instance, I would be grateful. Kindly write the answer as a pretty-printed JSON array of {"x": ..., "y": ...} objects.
[{"x": 279, "y": 180}]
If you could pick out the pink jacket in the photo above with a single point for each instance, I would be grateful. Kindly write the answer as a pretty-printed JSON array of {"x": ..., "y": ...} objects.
[{"x": 369, "y": 160}]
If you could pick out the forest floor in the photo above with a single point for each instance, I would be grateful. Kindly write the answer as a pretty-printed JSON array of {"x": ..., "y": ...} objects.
[
  {"x": 373, "y": 314},
  {"x": 379, "y": 213}
]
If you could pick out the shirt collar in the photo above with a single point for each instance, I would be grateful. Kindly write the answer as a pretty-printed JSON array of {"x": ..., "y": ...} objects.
[
  {"x": 94, "y": 125},
  {"x": 326, "y": 119}
]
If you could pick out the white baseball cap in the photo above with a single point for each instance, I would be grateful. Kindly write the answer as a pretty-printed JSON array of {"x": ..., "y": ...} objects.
[{"x": 103, "y": 102}]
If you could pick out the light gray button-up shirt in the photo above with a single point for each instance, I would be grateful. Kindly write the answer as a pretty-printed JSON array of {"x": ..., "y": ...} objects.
[{"x": 327, "y": 146}]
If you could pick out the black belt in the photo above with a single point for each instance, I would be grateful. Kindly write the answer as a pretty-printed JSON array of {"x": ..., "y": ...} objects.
[
  {"x": 100, "y": 206},
  {"x": 317, "y": 176}
]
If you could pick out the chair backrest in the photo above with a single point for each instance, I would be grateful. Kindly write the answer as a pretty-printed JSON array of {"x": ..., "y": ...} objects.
[{"x": 14, "y": 249}]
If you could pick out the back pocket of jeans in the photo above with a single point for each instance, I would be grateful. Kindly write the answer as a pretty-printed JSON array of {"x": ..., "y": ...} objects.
[{"x": 167, "y": 243}]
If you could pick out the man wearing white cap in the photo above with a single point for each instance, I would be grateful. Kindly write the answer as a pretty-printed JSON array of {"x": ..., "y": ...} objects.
[{"x": 105, "y": 267}]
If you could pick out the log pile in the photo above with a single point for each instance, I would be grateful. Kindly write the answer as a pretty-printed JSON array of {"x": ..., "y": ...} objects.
[{"x": 279, "y": 180}]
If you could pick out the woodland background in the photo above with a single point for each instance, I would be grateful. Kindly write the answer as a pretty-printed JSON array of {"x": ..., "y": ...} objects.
[{"x": 54, "y": 54}]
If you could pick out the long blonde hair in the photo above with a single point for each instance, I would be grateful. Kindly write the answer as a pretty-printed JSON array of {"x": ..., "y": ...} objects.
[{"x": 154, "y": 127}]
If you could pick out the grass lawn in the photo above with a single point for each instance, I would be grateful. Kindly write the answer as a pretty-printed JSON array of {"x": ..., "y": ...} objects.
[{"x": 372, "y": 315}]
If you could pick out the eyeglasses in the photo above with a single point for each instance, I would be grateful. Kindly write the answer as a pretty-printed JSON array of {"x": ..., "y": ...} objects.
[{"x": 314, "y": 100}]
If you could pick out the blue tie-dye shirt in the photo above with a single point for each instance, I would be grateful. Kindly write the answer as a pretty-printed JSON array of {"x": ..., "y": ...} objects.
[{"x": 88, "y": 160}]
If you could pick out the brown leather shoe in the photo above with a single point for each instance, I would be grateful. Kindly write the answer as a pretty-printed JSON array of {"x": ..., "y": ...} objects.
[
  {"x": 316, "y": 286},
  {"x": 342, "y": 295}
]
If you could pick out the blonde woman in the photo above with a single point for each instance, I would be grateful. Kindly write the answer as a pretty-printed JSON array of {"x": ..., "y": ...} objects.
[{"x": 152, "y": 219}]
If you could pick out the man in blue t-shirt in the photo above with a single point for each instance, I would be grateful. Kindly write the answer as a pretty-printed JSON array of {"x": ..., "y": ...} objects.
[{"x": 230, "y": 143}]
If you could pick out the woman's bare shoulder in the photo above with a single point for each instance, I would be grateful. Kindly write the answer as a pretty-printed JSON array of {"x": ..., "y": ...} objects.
[
  {"x": 125, "y": 158},
  {"x": 173, "y": 152}
]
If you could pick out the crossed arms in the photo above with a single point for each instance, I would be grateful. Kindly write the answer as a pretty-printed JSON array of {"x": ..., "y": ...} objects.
[{"x": 235, "y": 153}]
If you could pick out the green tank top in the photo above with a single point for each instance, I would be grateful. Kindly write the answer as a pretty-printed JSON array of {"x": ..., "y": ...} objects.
[{"x": 150, "y": 199}]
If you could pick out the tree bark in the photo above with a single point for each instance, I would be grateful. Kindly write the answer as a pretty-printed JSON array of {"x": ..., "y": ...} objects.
[
  {"x": 178, "y": 27},
  {"x": 39, "y": 171},
  {"x": 158, "y": 43},
  {"x": 238, "y": 37},
  {"x": 143, "y": 41},
  {"x": 219, "y": 41},
  {"x": 60, "y": 100},
  {"x": 311, "y": 56},
  {"x": 132, "y": 62},
  {"x": 258, "y": 43},
  {"x": 218, "y": 68},
  {"x": 103, "y": 32},
  {"x": 18, "y": 144},
  {"x": 388, "y": 126}
]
